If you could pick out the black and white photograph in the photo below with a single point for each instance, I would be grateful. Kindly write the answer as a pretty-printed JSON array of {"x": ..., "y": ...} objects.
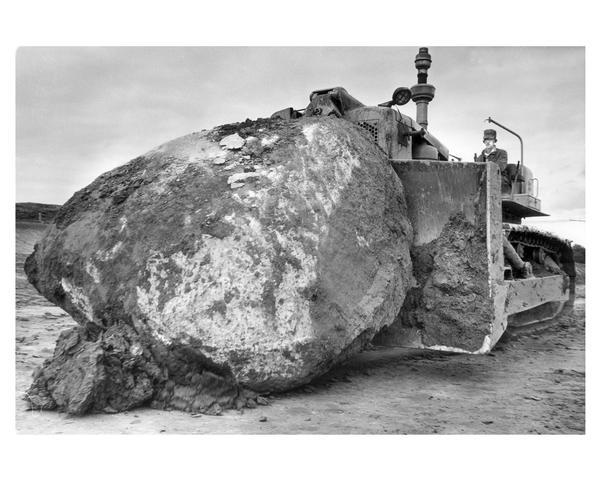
[
  {"x": 409, "y": 240},
  {"x": 330, "y": 240}
]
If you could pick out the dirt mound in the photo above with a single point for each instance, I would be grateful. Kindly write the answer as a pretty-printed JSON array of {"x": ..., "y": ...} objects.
[
  {"x": 457, "y": 289},
  {"x": 580, "y": 269},
  {"x": 27, "y": 235},
  {"x": 578, "y": 253},
  {"x": 250, "y": 256},
  {"x": 38, "y": 212}
]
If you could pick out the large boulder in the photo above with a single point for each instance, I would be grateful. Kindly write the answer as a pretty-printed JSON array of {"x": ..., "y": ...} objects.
[{"x": 258, "y": 254}]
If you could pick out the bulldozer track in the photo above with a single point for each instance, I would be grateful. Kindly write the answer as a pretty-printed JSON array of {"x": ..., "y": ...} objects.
[
  {"x": 530, "y": 242},
  {"x": 558, "y": 248}
]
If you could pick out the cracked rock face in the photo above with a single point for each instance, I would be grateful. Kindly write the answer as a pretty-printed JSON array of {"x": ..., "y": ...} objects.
[{"x": 267, "y": 262}]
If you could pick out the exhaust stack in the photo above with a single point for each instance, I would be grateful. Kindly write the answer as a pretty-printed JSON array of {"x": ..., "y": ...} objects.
[{"x": 422, "y": 93}]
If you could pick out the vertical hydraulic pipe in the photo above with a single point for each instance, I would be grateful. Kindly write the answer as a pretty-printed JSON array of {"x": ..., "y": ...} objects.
[{"x": 422, "y": 93}]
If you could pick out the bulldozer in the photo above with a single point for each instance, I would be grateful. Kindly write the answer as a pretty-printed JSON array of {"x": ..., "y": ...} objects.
[{"x": 479, "y": 271}]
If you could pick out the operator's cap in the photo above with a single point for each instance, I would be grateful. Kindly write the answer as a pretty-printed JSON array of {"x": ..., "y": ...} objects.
[{"x": 490, "y": 133}]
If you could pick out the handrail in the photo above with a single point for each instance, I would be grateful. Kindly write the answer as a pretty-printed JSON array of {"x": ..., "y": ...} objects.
[
  {"x": 491, "y": 120},
  {"x": 520, "y": 164}
]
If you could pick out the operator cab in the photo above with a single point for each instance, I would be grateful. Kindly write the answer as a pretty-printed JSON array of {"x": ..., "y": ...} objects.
[{"x": 520, "y": 194}]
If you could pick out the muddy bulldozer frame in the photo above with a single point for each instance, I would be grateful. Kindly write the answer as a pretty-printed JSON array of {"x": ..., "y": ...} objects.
[{"x": 478, "y": 270}]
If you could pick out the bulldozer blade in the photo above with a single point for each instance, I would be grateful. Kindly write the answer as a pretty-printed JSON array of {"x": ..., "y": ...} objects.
[{"x": 461, "y": 302}]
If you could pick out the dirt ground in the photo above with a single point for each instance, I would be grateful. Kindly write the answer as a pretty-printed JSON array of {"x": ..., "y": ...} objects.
[{"x": 530, "y": 384}]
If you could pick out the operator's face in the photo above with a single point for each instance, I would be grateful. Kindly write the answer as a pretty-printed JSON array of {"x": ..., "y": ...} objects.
[{"x": 489, "y": 143}]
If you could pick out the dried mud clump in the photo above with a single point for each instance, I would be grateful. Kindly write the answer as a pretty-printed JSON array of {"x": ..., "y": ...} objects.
[{"x": 114, "y": 370}]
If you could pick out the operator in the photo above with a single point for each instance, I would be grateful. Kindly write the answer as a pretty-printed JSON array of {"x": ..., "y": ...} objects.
[{"x": 492, "y": 154}]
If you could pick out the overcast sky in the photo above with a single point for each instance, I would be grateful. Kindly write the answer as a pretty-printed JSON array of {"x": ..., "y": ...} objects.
[{"x": 83, "y": 111}]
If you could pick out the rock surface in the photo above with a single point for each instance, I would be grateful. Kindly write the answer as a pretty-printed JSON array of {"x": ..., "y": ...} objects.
[
  {"x": 232, "y": 142},
  {"x": 255, "y": 268}
]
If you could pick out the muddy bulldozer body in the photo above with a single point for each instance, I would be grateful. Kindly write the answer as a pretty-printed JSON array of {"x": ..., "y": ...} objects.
[{"x": 469, "y": 249}]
